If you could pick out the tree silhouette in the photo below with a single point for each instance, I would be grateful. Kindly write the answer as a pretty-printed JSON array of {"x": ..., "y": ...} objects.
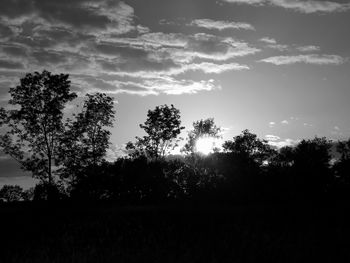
[
  {"x": 249, "y": 147},
  {"x": 86, "y": 138},
  {"x": 342, "y": 166},
  {"x": 311, "y": 166},
  {"x": 35, "y": 126},
  {"x": 201, "y": 128},
  {"x": 163, "y": 125},
  {"x": 11, "y": 193}
]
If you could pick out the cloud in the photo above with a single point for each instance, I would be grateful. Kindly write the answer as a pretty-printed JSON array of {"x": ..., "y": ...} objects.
[
  {"x": 283, "y": 143},
  {"x": 143, "y": 86},
  {"x": 204, "y": 67},
  {"x": 294, "y": 118},
  {"x": 217, "y": 48},
  {"x": 279, "y": 47},
  {"x": 272, "y": 43},
  {"x": 336, "y": 131},
  {"x": 270, "y": 137},
  {"x": 307, "y": 59},
  {"x": 179, "y": 21},
  {"x": 220, "y": 25},
  {"x": 104, "y": 39},
  {"x": 178, "y": 87},
  {"x": 212, "y": 68},
  {"x": 284, "y": 122},
  {"x": 310, "y": 48},
  {"x": 268, "y": 40},
  {"x": 307, "y": 124},
  {"x": 272, "y": 124},
  {"x": 8, "y": 64},
  {"x": 249, "y": 2},
  {"x": 302, "y": 6}
]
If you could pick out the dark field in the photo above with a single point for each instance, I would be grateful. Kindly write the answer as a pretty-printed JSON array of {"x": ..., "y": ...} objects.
[{"x": 106, "y": 233}]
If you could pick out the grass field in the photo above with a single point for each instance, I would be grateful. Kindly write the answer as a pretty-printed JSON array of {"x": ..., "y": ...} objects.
[{"x": 107, "y": 233}]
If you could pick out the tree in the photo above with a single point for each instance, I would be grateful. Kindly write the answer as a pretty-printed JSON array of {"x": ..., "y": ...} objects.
[
  {"x": 200, "y": 129},
  {"x": 86, "y": 138},
  {"x": 342, "y": 166},
  {"x": 312, "y": 165},
  {"x": 248, "y": 146},
  {"x": 33, "y": 129},
  {"x": 11, "y": 193},
  {"x": 163, "y": 125}
]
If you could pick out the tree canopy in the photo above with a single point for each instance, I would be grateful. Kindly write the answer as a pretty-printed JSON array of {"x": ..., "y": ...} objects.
[
  {"x": 35, "y": 125},
  {"x": 206, "y": 127},
  {"x": 162, "y": 127},
  {"x": 86, "y": 138},
  {"x": 249, "y": 146}
]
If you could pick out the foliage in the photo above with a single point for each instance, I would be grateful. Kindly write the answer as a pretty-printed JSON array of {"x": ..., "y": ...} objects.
[
  {"x": 304, "y": 171},
  {"x": 312, "y": 164},
  {"x": 342, "y": 166},
  {"x": 247, "y": 170},
  {"x": 248, "y": 146},
  {"x": 11, "y": 193},
  {"x": 341, "y": 170},
  {"x": 86, "y": 138},
  {"x": 201, "y": 128},
  {"x": 45, "y": 191},
  {"x": 34, "y": 127},
  {"x": 163, "y": 125}
]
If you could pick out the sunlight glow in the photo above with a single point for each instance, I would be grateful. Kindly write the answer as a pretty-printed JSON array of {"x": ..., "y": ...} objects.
[{"x": 205, "y": 145}]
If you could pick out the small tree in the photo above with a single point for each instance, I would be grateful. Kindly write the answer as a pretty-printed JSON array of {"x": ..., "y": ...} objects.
[
  {"x": 312, "y": 164},
  {"x": 248, "y": 146},
  {"x": 342, "y": 166},
  {"x": 35, "y": 125},
  {"x": 163, "y": 125},
  {"x": 11, "y": 193},
  {"x": 86, "y": 139},
  {"x": 201, "y": 128}
]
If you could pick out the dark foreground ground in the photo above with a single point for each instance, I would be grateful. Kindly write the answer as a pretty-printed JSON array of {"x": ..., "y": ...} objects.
[{"x": 107, "y": 233}]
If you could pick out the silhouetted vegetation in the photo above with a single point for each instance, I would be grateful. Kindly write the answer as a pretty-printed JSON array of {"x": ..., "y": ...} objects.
[
  {"x": 248, "y": 202},
  {"x": 68, "y": 156},
  {"x": 163, "y": 125}
]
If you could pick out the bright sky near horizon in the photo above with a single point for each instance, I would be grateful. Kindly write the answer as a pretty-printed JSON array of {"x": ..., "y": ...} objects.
[{"x": 280, "y": 68}]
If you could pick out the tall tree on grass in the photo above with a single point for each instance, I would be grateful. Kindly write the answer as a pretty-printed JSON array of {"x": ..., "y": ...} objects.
[
  {"x": 34, "y": 126},
  {"x": 163, "y": 125},
  {"x": 86, "y": 138}
]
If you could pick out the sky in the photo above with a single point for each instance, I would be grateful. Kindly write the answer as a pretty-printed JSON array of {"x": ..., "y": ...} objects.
[{"x": 279, "y": 68}]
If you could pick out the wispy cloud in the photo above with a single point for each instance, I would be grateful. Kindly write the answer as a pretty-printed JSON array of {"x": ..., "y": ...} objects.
[
  {"x": 270, "y": 137},
  {"x": 307, "y": 59},
  {"x": 283, "y": 143},
  {"x": 268, "y": 40},
  {"x": 302, "y": 6},
  {"x": 205, "y": 67},
  {"x": 310, "y": 48},
  {"x": 272, "y": 43},
  {"x": 221, "y": 25},
  {"x": 144, "y": 87},
  {"x": 104, "y": 40}
]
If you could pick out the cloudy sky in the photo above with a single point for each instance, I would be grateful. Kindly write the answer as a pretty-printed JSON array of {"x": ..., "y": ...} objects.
[{"x": 280, "y": 68}]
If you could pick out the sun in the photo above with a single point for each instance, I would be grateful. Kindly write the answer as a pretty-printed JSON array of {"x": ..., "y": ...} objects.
[{"x": 205, "y": 145}]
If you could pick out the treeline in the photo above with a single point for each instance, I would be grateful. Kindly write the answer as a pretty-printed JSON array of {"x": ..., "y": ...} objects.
[{"x": 67, "y": 156}]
